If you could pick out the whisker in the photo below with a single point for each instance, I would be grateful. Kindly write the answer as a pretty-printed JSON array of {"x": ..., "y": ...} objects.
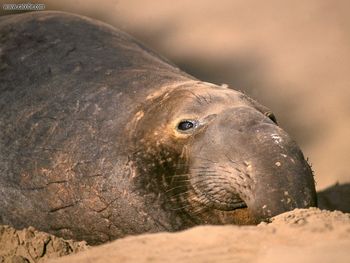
[
  {"x": 232, "y": 161},
  {"x": 181, "y": 207},
  {"x": 224, "y": 170},
  {"x": 208, "y": 171},
  {"x": 199, "y": 210},
  {"x": 208, "y": 160},
  {"x": 180, "y": 175},
  {"x": 201, "y": 167},
  {"x": 174, "y": 176},
  {"x": 182, "y": 181},
  {"x": 209, "y": 180},
  {"x": 181, "y": 194},
  {"x": 211, "y": 176},
  {"x": 176, "y": 187}
]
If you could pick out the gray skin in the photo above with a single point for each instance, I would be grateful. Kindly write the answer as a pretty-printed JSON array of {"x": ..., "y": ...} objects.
[{"x": 101, "y": 138}]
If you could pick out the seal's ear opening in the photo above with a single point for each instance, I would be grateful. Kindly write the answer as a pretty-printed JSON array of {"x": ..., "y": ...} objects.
[
  {"x": 271, "y": 116},
  {"x": 263, "y": 109}
]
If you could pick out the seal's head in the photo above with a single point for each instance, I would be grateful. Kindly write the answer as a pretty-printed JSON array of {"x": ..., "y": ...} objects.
[{"x": 218, "y": 156}]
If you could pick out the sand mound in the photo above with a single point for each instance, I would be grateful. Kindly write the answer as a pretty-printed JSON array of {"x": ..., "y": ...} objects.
[
  {"x": 303, "y": 235},
  {"x": 308, "y": 235}
]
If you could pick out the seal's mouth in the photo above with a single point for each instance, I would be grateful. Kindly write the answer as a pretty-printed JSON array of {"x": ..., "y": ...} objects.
[
  {"x": 220, "y": 199},
  {"x": 230, "y": 207}
]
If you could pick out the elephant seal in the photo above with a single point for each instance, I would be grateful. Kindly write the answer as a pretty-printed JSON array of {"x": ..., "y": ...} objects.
[{"x": 102, "y": 138}]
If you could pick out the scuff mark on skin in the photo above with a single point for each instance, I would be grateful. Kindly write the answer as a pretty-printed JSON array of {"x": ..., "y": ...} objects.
[
  {"x": 139, "y": 115},
  {"x": 277, "y": 139}
]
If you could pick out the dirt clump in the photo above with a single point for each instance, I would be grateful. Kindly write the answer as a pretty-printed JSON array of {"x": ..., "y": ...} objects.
[{"x": 30, "y": 245}]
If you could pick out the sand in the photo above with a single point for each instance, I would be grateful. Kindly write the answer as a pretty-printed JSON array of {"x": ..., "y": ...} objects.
[
  {"x": 302, "y": 235},
  {"x": 30, "y": 245}
]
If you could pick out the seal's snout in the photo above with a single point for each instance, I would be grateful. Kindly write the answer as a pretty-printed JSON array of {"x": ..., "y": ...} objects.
[
  {"x": 283, "y": 178},
  {"x": 259, "y": 165}
]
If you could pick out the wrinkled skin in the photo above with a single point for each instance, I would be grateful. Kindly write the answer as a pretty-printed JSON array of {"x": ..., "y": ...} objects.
[
  {"x": 235, "y": 157},
  {"x": 101, "y": 138}
]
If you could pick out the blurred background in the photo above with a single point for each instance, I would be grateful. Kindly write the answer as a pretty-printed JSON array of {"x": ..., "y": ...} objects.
[{"x": 292, "y": 56}]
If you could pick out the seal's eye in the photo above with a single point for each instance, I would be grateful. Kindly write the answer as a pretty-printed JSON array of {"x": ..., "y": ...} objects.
[
  {"x": 271, "y": 116},
  {"x": 186, "y": 125}
]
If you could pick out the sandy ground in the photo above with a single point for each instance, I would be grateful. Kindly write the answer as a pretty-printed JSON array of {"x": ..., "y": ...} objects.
[
  {"x": 293, "y": 56},
  {"x": 300, "y": 236},
  {"x": 303, "y": 235}
]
